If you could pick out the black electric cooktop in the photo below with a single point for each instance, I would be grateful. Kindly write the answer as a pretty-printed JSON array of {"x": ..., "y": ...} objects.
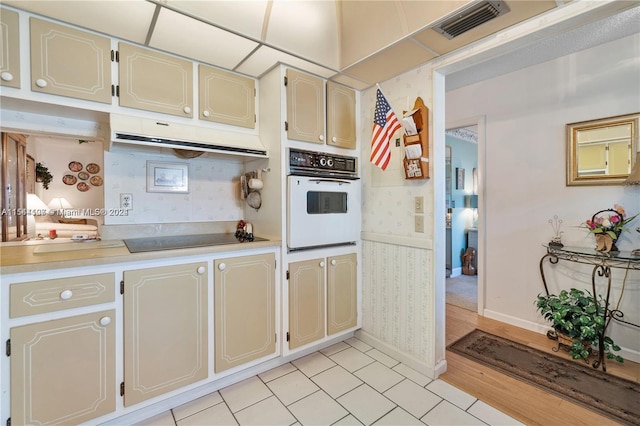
[{"x": 138, "y": 245}]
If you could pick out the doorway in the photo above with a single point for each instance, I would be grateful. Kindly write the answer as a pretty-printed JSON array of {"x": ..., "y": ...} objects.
[{"x": 461, "y": 202}]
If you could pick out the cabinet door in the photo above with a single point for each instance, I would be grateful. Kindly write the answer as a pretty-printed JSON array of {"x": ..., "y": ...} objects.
[
  {"x": 69, "y": 62},
  {"x": 154, "y": 81},
  {"x": 226, "y": 97},
  {"x": 63, "y": 371},
  {"x": 165, "y": 329},
  {"x": 244, "y": 310},
  {"x": 306, "y": 302},
  {"x": 342, "y": 293},
  {"x": 305, "y": 107},
  {"x": 9, "y": 49},
  {"x": 341, "y": 116}
]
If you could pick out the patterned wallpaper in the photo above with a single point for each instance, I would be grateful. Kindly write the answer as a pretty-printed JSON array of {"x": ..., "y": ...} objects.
[
  {"x": 397, "y": 297},
  {"x": 213, "y": 189},
  {"x": 397, "y": 280}
]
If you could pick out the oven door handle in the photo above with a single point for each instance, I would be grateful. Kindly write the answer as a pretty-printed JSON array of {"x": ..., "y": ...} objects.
[{"x": 340, "y": 182}]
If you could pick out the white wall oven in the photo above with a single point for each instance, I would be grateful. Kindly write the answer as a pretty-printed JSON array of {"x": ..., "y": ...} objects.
[{"x": 323, "y": 200}]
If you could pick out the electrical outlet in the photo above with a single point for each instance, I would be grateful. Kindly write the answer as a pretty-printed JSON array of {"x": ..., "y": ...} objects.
[
  {"x": 419, "y": 204},
  {"x": 126, "y": 201},
  {"x": 419, "y": 222}
]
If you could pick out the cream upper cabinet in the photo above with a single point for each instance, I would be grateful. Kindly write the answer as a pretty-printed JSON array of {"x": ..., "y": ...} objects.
[
  {"x": 305, "y": 107},
  {"x": 70, "y": 62},
  {"x": 226, "y": 97},
  {"x": 306, "y": 302},
  {"x": 165, "y": 329},
  {"x": 9, "y": 49},
  {"x": 154, "y": 81},
  {"x": 63, "y": 371},
  {"x": 244, "y": 309},
  {"x": 341, "y": 116},
  {"x": 342, "y": 293}
]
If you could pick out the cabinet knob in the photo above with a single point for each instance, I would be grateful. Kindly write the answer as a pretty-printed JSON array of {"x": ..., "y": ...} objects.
[
  {"x": 105, "y": 321},
  {"x": 322, "y": 264},
  {"x": 333, "y": 262},
  {"x": 6, "y": 76},
  {"x": 187, "y": 110},
  {"x": 321, "y": 137},
  {"x": 201, "y": 270},
  {"x": 41, "y": 82},
  {"x": 206, "y": 113},
  {"x": 66, "y": 295},
  {"x": 222, "y": 266},
  {"x": 334, "y": 139}
]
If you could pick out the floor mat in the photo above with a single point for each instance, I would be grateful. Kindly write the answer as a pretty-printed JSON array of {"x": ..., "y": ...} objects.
[{"x": 604, "y": 393}]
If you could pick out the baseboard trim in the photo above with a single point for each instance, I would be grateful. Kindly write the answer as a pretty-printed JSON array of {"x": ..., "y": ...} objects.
[{"x": 407, "y": 359}]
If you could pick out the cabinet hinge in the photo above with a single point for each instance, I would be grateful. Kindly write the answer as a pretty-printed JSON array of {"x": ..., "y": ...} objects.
[
  {"x": 117, "y": 56},
  {"x": 276, "y": 338},
  {"x": 122, "y": 389},
  {"x": 122, "y": 287},
  {"x": 9, "y": 421},
  {"x": 285, "y": 80},
  {"x": 118, "y": 90},
  {"x": 287, "y": 336},
  {"x": 287, "y": 275},
  {"x": 113, "y": 90},
  {"x": 8, "y": 347},
  {"x": 255, "y": 118},
  {"x": 286, "y": 126},
  {"x": 113, "y": 55}
]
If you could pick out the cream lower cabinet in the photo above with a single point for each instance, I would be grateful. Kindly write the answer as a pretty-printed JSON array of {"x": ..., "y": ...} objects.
[
  {"x": 165, "y": 329},
  {"x": 315, "y": 307},
  {"x": 244, "y": 309},
  {"x": 63, "y": 371}
]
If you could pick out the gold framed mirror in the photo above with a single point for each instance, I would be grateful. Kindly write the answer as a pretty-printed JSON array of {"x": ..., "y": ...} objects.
[{"x": 602, "y": 151}]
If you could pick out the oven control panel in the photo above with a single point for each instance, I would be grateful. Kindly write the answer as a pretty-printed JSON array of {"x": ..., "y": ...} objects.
[{"x": 321, "y": 163}]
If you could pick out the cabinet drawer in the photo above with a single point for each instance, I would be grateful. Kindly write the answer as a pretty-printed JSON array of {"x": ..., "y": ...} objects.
[{"x": 37, "y": 297}]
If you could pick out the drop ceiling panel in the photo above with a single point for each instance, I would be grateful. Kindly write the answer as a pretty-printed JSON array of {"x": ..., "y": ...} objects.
[
  {"x": 349, "y": 81},
  {"x": 126, "y": 20},
  {"x": 263, "y": 59},
  {"x": 367, "y": 27},
  {"x": 395, "y": 60},
  {"x": 199, "y": 41},
  {"x": 244, "y": 17},
  {"x": 520, "y": 11},
  {"x": 305, "y": 28},
  {"x": 419, "y": 14}
]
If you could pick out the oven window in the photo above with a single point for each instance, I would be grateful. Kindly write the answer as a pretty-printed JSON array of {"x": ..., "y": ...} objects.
[{"x": 319, "y": 202}]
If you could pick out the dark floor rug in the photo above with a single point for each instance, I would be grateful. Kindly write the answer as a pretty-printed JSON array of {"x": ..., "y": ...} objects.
[{"x": 611, "y": 396}]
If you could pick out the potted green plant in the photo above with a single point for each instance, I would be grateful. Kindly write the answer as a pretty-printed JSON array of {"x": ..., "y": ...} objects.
[
  {"x": 43, "y": 175},
  {"x": 577, "y": 322}
]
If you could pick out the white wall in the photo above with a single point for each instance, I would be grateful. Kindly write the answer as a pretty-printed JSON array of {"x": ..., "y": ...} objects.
[{"x": 526, "y": 112}]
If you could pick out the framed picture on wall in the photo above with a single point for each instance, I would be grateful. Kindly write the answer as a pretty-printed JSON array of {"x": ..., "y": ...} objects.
[
  {"x": 459, "y": 178},
  {"x": 167, "y": 177},
  {"x": 31, "y": 175}
]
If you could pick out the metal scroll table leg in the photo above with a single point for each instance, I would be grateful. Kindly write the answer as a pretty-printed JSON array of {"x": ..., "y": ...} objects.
[{"x": 601, "y": 271}]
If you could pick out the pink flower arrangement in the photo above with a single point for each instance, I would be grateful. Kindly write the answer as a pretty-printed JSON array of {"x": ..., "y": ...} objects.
[{"x": 611, "y": 222}]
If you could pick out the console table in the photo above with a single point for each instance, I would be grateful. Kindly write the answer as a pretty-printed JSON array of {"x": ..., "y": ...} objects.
[{"x": 602, "y": 264}]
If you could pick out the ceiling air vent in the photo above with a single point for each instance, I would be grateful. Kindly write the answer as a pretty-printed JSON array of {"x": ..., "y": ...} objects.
[{"x": 468, "y": 19}]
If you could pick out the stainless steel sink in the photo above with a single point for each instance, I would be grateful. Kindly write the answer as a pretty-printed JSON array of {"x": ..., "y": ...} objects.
[{"x": 138, "y": 245}]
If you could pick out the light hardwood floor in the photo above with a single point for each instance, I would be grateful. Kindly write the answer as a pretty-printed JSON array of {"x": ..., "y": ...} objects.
[{"x": 529, "y": 404}]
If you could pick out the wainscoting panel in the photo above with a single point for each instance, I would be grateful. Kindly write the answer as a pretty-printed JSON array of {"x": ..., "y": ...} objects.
[{"x": 397, "y": 298}]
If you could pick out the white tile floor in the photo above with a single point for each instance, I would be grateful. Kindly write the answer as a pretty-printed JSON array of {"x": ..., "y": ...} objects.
[{"x": 349, "y": 383}]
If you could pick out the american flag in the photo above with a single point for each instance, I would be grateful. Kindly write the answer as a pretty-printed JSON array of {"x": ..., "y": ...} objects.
[{"x": 385, "y": 124}]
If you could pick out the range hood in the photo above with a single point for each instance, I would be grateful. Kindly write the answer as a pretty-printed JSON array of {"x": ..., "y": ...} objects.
[{"x": 165, "y": 134}]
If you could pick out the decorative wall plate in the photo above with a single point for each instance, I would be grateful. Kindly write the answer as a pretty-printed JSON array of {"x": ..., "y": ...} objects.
[
  {"x": 83, "y": 175},
  {"x": 93, "y": 168},
  {"x": 75, "y": 166},
  {"x": 83, "y": 187},
  {"x": 96, "y": 181},
  {"x": 69, "y": 179}
]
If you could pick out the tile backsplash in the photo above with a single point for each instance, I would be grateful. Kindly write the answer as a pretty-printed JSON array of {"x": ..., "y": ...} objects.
[{"x": 213, "y": 188}]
